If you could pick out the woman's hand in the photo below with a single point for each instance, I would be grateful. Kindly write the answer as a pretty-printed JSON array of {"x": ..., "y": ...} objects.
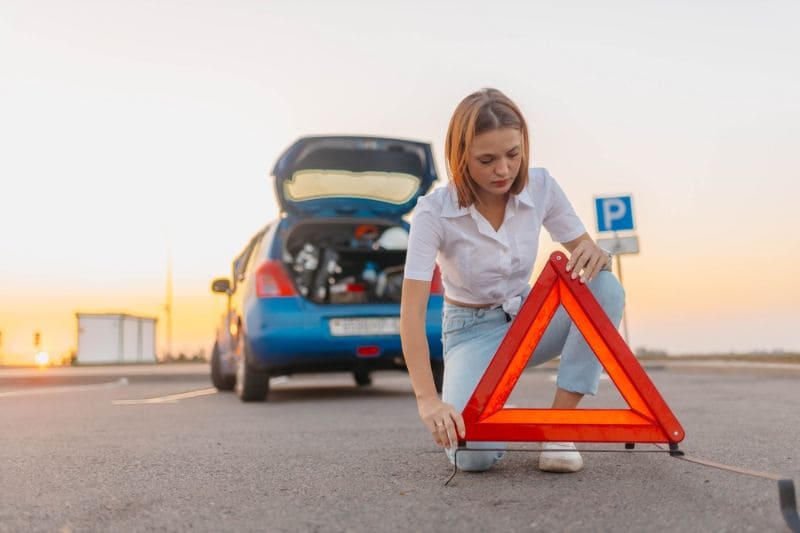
[
  {"x": 586, "y": 258},
  {"x": 443, "y": 421}
]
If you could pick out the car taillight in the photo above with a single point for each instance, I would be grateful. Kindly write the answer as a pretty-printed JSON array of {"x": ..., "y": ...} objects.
[
  {"x": 272, "y": 280},
  {"x": 436, "y": 281}
]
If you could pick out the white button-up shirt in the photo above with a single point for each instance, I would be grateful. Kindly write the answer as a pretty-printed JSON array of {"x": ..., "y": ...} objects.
[{"x": 478, "y": 264}]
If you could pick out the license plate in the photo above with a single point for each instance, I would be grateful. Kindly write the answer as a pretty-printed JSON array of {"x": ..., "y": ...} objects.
[{"x": 345, "y": 327}]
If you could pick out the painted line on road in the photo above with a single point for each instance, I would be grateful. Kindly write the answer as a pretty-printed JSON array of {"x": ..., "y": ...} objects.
[
  {"x": 65, "y": 388},
  {"x": 171, "y": 398}
]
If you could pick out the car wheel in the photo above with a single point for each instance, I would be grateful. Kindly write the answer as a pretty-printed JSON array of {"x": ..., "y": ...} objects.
[
  {"x": 252, "y": 385},
  {"x": 220, "y": 381},
  {"x": 363, "y": 378},
  {"x": 437, "y": 367}
]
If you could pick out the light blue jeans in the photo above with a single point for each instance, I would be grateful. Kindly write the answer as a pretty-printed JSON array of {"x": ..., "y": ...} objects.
[{"x": 471, "y": 337}]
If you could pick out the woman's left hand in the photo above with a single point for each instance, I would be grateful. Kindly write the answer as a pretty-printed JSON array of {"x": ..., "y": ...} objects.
[{"x": 586, "y": 259}]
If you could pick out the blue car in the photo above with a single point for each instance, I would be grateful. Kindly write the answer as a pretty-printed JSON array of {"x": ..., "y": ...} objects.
[{"x": 318, "y": 289}]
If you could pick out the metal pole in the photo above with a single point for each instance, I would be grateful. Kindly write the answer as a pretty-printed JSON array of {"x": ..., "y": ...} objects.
[
  {"x": 624, "y": 312},
  {"x": 168, "y": 304}
]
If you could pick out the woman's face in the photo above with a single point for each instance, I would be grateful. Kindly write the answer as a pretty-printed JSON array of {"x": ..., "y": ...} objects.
[{"x": 493, "y": 161}]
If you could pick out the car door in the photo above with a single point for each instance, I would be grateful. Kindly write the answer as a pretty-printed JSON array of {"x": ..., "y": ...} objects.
[{"x": 242, "y": 269}]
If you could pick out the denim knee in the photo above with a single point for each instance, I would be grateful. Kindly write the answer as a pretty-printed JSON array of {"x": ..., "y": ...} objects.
[{"x": 610, "y": 295}]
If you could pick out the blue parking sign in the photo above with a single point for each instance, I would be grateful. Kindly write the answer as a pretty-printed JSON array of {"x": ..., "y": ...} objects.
[{"x": 614, "y": 213}]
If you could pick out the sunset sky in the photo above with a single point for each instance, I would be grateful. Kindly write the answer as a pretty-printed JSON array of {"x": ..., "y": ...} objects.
[{"x": 132, "y": 128}]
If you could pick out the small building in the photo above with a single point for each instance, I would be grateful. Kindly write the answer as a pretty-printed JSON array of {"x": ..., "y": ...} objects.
[{"x": 108, "y": 338}]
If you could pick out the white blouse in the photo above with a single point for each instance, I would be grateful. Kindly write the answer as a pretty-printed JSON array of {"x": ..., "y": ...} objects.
[{"x": 478, "y": 264}]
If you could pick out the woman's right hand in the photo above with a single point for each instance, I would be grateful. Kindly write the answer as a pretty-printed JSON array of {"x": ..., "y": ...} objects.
[{"x": 443, "y": 421}]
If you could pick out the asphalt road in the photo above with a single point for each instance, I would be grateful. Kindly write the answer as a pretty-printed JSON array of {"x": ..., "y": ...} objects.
[{"x": 154, "y": 448}]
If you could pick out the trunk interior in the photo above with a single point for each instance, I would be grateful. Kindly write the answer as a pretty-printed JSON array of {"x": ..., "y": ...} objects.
[{"x": 346, "y": 261}]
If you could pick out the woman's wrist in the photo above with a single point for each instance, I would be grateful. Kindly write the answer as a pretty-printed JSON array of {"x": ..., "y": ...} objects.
[
  {"x": 427, "y": 395},
  {"x": 609, "y": 259}
]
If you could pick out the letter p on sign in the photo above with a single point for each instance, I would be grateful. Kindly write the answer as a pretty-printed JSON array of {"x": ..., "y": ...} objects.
[{"x": 614, "y": 213}]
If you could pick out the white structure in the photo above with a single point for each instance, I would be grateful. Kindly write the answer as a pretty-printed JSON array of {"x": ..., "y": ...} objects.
[{"x": 115, "y": 338}]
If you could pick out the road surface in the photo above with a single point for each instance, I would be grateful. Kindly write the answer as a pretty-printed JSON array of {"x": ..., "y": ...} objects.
[{"x": 155, "y": 448}]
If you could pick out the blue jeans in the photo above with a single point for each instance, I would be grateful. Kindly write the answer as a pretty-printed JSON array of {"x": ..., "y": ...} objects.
[{"x": 471, "y": 337}]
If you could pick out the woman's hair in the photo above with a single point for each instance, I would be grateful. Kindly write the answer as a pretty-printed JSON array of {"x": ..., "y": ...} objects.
[{"x": 482, "y": 111}]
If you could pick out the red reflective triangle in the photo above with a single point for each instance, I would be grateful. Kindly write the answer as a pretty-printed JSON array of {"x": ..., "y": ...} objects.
[{"x": 649, "y": 419}]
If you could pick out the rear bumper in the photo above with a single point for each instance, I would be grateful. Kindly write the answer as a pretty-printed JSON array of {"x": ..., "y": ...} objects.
[{"x": 292, "y": 335}]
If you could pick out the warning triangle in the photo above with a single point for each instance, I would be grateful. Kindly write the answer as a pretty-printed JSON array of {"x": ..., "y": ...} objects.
[{"x": 649, "y": 419}]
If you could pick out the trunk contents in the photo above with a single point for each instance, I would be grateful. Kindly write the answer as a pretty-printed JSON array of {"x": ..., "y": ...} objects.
[{"x": 347, "y": 262}]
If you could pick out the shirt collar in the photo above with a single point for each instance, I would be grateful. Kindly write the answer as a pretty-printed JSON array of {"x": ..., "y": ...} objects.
[
  {"x": 525, "y": 197},
  {"x": 450, "y": 208}
]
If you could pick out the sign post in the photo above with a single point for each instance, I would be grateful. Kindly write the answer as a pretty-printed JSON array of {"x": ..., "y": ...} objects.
[{"x": 615, "y": 214}]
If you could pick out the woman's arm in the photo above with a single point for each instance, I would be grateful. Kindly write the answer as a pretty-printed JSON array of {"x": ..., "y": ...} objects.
[
  {"x": 441, "y": 419},
  {"x": 586, "y": 259}
]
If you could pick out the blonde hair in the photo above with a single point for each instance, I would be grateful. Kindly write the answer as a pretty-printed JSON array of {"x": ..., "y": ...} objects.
[{"x": 481, "y": 111}]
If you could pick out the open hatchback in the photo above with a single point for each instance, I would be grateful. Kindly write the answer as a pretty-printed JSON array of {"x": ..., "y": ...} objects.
[{"x": 319, "y": 288}]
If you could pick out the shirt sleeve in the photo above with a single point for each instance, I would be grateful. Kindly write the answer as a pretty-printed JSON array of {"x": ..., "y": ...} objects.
[
  {"x": 424, "y": 241},
  {"x": 560, "y": 219}
]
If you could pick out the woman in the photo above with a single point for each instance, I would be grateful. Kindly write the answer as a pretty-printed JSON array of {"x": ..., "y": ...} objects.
[{"x": 483, "y": 230}]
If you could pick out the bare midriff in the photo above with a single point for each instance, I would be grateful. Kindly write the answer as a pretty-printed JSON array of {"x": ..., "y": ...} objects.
[{"x": 461, "y": 304}]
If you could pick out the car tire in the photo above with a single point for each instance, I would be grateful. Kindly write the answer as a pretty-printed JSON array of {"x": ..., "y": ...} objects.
[
  {"x": 363, "y": 378},
  {"x": 220, "y": 381},
  {"x": 437, "y": 368},
  {"x": 252, "y": 385}
]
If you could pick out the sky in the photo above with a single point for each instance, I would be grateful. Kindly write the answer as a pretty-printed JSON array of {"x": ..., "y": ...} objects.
[{"x": 136, "y": 131}]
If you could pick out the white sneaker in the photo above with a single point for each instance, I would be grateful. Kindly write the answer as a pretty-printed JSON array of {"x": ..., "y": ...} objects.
[{"x": 560, "y": 457}]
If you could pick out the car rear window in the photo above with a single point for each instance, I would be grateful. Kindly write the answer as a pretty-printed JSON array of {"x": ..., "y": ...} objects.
[{"x": 391, "y": 187}]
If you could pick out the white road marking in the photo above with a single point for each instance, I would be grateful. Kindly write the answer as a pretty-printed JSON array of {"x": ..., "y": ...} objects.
[
  {"x": 172, "y": 398},
  {"x": 64, "y": 388}
]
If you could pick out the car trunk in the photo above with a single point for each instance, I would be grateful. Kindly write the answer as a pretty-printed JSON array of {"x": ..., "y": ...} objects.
[
  {"x": 346, "y": 261},
  {"x": 353, "y": 176}
]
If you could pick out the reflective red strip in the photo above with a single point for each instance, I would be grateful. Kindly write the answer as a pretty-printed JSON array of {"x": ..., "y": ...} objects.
[{"x": 368, "y": 351}]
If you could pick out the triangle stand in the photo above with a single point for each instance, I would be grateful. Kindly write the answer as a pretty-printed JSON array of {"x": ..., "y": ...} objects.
[{"x": 648, "y": 419}]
